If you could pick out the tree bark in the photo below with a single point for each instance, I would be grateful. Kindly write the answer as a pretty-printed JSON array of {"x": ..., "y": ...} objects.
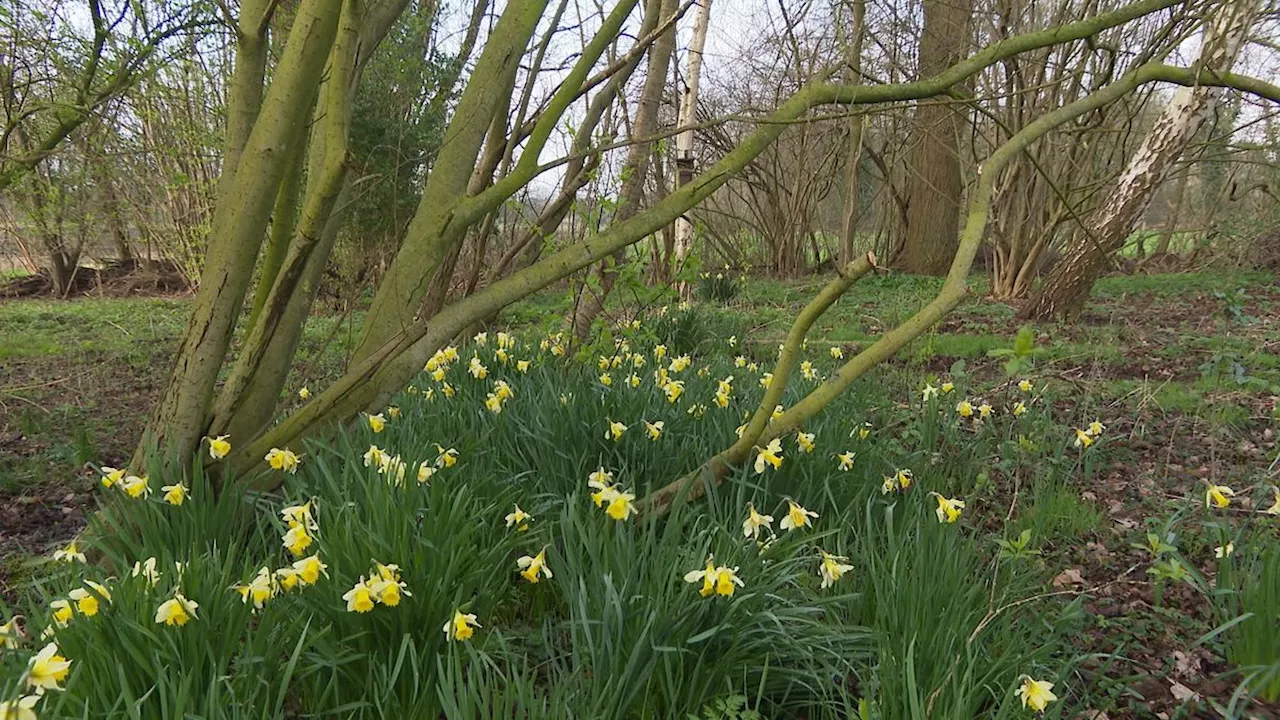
[
  {"x": 685, "y": 160},
  {"x": 851, "y": 207},
  {"x": 934, "y": 184}
]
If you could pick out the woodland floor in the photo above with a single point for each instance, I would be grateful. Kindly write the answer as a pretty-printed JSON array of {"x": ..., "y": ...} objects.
[{"x": 1185, "y": 368}]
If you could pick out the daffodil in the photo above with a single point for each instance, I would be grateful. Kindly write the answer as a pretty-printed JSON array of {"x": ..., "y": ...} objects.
[
  {"x": 175, "y": 494},
  {"x": 218, "y": 446},
  {"x": 903, "y": 478},
  {"x": 375, "y": 457},
  {"x": 446, "y": 458},
  {"x": 766, "y": 380},
  {"x": 477, "y": 369},
  {"x": 259, "y": 590},
  {"x": 304, "y": 393},
  {"x": 732, "y": 341},
  {"x": 637, "y": 361},
  {"x": 47, "y": 669},
  {"x": 615, "y": 431},
  {"x": 70, "y": 554},
  {"x": 519, "y": 519},
  {"x": 674, "y": 389},
  {"x": 300, "y": 516},
  {"x": 621, "y": 505},
  {"x": 11, "y": 634},
  {"x": 1275, "y": 507},
  {"x": 1019, "y": 408},
  {"x": 461, "y": 627},
  {"x": 739, "y": 361},
  {"x": 606, "y": 380},
  {"x": 1083, "y": 438},
  {"x": 481, "y": 339},
  {"x": 805, "y": 441},
  {"x": 87, "y": 599},
  {"x": 863, "y": 431},
  {"x": 1095, "y": 428},
  {"x": 777, "y": 412},
  {"x": 633, "y": 380},
  {"x": 61, "y": 612},
  {"x": 680, "y": 364},
  {"x": 807, "y": 371},
  {"x": 136, "y": 487},
  {"x": 23, "y": 708},
  {"x": 425, "y": 471},
  {"x": 949, "y": 509},
  {"x": 177, "y": 610},
  {"x": 393, "y": 411},
  {"x": 697, "y": 410},
  {"x": 836, "y": 353},
  {"x": 297, "y": 540},
  {"x": 1024, "y": 385},
  {"x": 947, "y": 387},
  {"x": 438, "y": 374},
  {"x": 359, "y": 599},
  {"x": 1035, "y": 694},
  {"x": 1224, "y": 551},
  {"x": 1218, "y": 496},
  {"x": 719, "y": 580},
  {"x": 447, "y": 390},
  {"x": 797, "y": 517},
  {"x": 654, "y": 429},
  {"x": 377, "y": 423},
  {"x": 659, "y": 352},
  {"x": 984, "y": 410},
  {"x": 755, "y": 521},
  {"x": 146, "y": 569},
  {"x": 831, "y": 568},
  {"x": 532, "y": 567},
  {"x": 493, "y": 403},
  {"x": 845, "y": 460},
  {"x": 286, "y": 579},
  {"x": 601, "y": 480},
  {"x": 386, "y": 585},
  {"x": 753, "y": 367},
  {"x": 310, "y": 569},
  {"x": 283, "y": 459},
  {"x": 770, "y": 455},
  {"x": 111, "y": 476},
  {"x": 964, "y": 409},
  {"x": 522, "y": 366},
  {"x": 930, "y": 392}
]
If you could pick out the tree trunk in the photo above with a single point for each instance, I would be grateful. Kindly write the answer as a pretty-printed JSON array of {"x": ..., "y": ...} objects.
[
  {"x": 1173, "y": 213},
  {"x": 934, "y": 183},
  {"x": 684, "y": 141},
  {"x": 851, "y": 208},
  {"x": 1065, "y": 290},
  {"x": 635, "y": 171}
]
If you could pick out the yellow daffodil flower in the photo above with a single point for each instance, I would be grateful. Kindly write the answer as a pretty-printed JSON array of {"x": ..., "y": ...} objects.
[
  {"x": 502, "y": 356},
  {"x": 11, "y": 634},
  {"x": 680, "y": 364},
  {"x": 284, "y": 460},
  {"x": 376, "y": 457},
  {"x": 771, "y": 455},
  {"x": 493, "y": 403},
  {"x": 947, "y": 387},
  {"x": 949, "y": 509},
  {"x": 1218, "y": 496},
  {"x": 481, "y": 339},
  {"x": 615, "y": 431},
  {"x": 286, "y": 579},
  {"x": 805, "y": 441},
  {"x": 386, "y": 585},
  {"x": 1095, "y": 428},
  {"x": 903, "y": 478},
  {"x": 964, "y": 409},
  {"x": 606, "y": 380},
  {"x": 831, "y": 568},
  {"x": 447, "y": 390},
  {"x": 1024, "y": 385},
  {"x": 836, "y": 353},
  {"x": 733, "y": 341},
  {"x": 359, "y": 599},
  {"x": 766, "y": 380},
  {"x": 754, "y": 522},
  {"x": 87, "y": 599},
  {"x": 477, "y": 368},
  {"x": 797, "y": 517},
  {"x": 531, "y": 567},
  {"x": 522, "y": 366},
  {"x": 753, "y": 367},
  {"x": 111, "y": 476},
  {"x": 299, "y": 516},
  {"x": 807, "y": 371},
  {"x": 438, "y": 374},
  {"x": 297, "y": 540},
  {"x": 1035, "y": 694},
  {"x": 1019, "y": 409},
  {"x": 777, "y": 412},
  {"x": 863, "y": 431},
  {"x": 719, "y": 580},
  {"x": 177, "y": 610},
  {"x": 47, "y": 669},
  {"x": 310, "y": 569},
  {"x": 175, "y": 494},
  {"x": 461, "y": 627},
  {"x": 218, "y": 446},
  {"x": 304, "y": 393},
  {"x": 930, "y": 392},
  {"x": 697, "y": 410},
  {"x": 146, "y": 569},
  {"x": 633, "y": 380},
  {"x": 259, "y": 590},
  {"x": 61, "y": 612},
  {"x": 659, "y": 352},
  {"x": 519, "y": 519},
  {"x": 1083, "y": 439},
  {"x": 425, "y": 471},
  {"x": 377, "y": 423},
  {"x": 673, "y": 389},
  {"x": 845, "y": 459},
  {"x": 621, "y": 506},
  {"x": 23, "y": 708},
  {"x": 739, "y": 361},
  {"x": 654, "y": 429},
  {"x": 1224, "y": 551},
  {"x": 446, "y": 458},
  {"x": 136, "y": 487},
  {"x": 71, "y": 553},
  {"x": 393, "y": 411}
]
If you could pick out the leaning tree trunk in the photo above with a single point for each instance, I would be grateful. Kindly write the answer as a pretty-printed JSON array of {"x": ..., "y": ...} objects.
[
  {"x": 933, "y": 161},
  {"x": 1065, "y": 290}
]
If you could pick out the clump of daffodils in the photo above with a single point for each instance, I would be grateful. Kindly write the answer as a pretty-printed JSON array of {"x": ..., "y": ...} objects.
[
  {"x": 382, "y": 586},
  {"x": 715, "y": 579},
  {"x": 899, "y": 480},
  {"x": 618, "y": 504}
]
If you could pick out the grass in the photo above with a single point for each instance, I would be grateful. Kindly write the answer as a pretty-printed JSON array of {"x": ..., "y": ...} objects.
[{"x": 1181, "y": 382}]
